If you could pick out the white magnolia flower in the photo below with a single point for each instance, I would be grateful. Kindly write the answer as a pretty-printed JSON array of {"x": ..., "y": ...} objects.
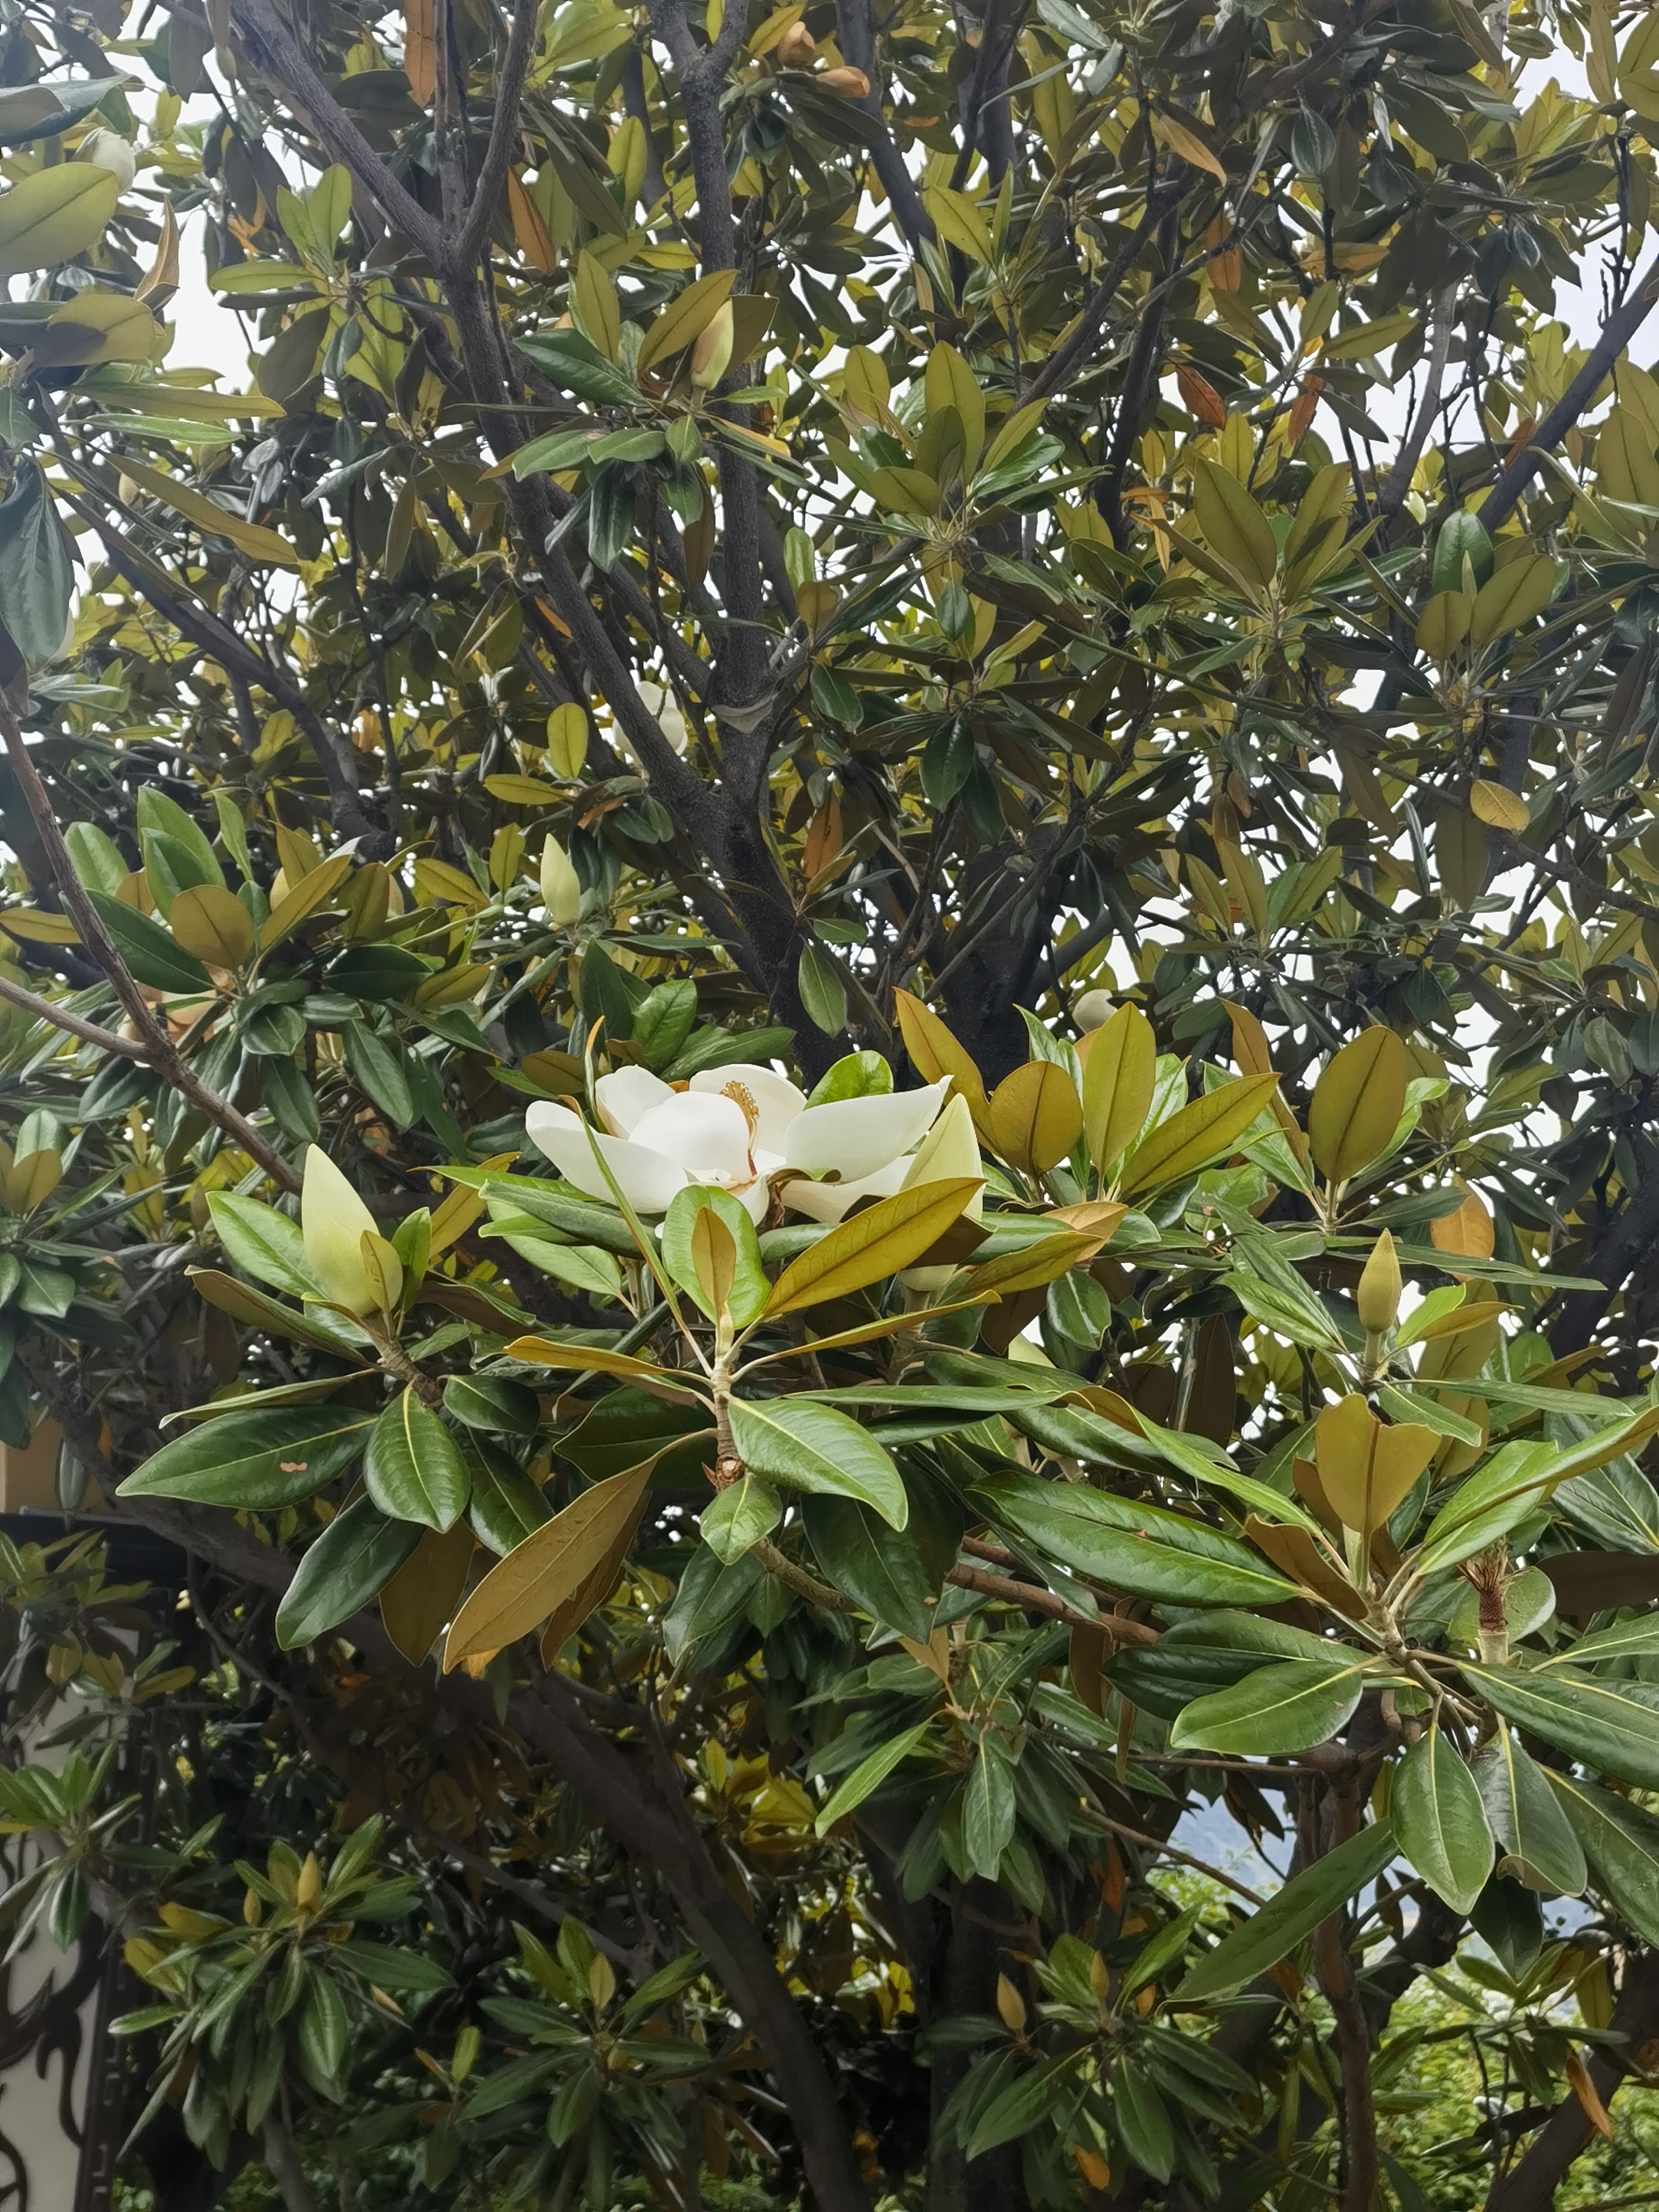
[{"x": 734, "y": 1129}]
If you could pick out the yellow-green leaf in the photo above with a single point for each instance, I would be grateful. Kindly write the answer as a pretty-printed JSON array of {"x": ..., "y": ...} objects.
[
  {"x": 949, "y": 382},
  {"x": 306, "y": 896},
  {"x": 1443, "y": 624},
  {"x": 1356, "y": 1103},
  {"x": 250, "y": 538},
  {"x": 212, "y": 923},
  {"x": 878, "y": 1242},
  {"x": 1200, "y": 1132},
  {"x": 681, "y": 324},
  {"x": 1119, "y": 1068},
  {"x": 935, "y": 1054},
  {"x": 1035, "y": 1116},
  {"x": 1234, "y": 525},
  {"x": 1365, "y": 1469},
  {"x": 54, "y": 215},
  {"x": 1511, "y": 597}
]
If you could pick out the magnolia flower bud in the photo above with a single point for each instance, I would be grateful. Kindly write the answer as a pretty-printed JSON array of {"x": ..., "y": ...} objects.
[
  {"x": 1379, "y": 1287},
  {"x": 846, "y": 83},
  {"x": 797, "y": 48},
  {"x": 108, "y": 150},
  {"x": 336, "y": 1225},
  {"x": 562, "y": 890},
  {"x": 711, "y": 356},
  {"x": 1093, "y": 1010}
]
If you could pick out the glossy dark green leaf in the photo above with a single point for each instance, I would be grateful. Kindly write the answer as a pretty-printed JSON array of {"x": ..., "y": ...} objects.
[
  {"x": 1621, "y": 1842},
  {"x": 1613, "y": 1726},
  {"x": 1291, "y": 1915},
  {"x": 257, "y": 1462},
  {"x": 1440, "y": 1822},
  {"x": 349, "y": 1564},
  {"x": 492, "y": 1402},
  {"x": 1535, "y": 1839},
  {"x": 882, "y": 1569},
  {"x": 148, "y": 949},
  {"x": 1289, "y": 1707},
  {"x": 413, "y": 1467},
  {"x": 806, "y": 1446},
  {"x": 1129, "y": 1546},
  {"x": 37, "y": 576},
  {"x": 505, "y": 1506}
]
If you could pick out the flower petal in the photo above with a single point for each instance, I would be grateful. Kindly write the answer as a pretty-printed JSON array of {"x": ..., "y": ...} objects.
[
  {"x": 859, "y": 1135},
  {"x": 701, "y": 1134},
  {"x": 625, "y": 1095},
  {"x": 773, "y": 1099},
  {"x": 831, "y": 1201},
  {"x": 648, "y": 1180}
]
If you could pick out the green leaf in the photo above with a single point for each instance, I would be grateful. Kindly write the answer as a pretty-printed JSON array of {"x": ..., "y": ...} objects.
[
  {"x": 257, "y": 1462},
  {"x": 1535, "y": 1839},
  {"x": 869, "y": 1775},
  {"x": 1283, "y": 1923},
  {"x": 882, "y": 1569},
  {"x": 1494, "y": 1499},
  {"x": 54, "y": 215},
  {"x": 708, "y": 1245},
  {"x": 349, "y": 1563},
  {"x": 1143, "y": 2121},
  {"x": 504, "y": 1505},
  {"x": 1440, "y": 1821},
  {"x": 988, "y": 1809},
  {"x": 37, "y": 578},
  {"x": 821, "y": 991},
  {"x": 263, "y": 1243},
  {"x": 393, "y": 1969},
  {"x": 663, "y": 1023},
  {"x": 1129, "y": 1546},
  {"x": 1621, "y": 1842},
  {"x": 413, "y": 1467},
  {"x": 1017, "y": 2110},
  {"x": 324, "y": 2034},
  {"x": 148, "y": 949},
  {"x": 1285, "y": 1708},
  {"x": 1196, "y": 1134},
  {"x": 1612, "y": 1726},
  {"x": 736, "y": 1517},
  {"x": 806, "y": 1446}
]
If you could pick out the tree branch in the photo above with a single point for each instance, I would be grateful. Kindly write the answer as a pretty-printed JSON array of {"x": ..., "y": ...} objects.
[
  {"x": 503, "y": 128},
  {"x": 1617, "y": 332},
  {"x": 1398, "y": 481},
  {"x": 273, "y": 49},
  {"x": 855, "y": 35}
]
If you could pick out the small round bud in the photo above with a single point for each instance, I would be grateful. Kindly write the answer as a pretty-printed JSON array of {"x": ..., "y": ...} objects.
[
  {"x": 1093, "y": 1010},
  {"x": 797, "y": 48},
  {"x": 846, "y": 83}
]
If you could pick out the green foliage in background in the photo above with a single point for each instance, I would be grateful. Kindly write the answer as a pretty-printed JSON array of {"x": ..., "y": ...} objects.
[{"x": 831, "y": 1049}]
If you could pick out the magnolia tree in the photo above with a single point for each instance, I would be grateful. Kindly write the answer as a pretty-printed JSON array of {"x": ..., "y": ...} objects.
[{"x": 831, "y": 1017}]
